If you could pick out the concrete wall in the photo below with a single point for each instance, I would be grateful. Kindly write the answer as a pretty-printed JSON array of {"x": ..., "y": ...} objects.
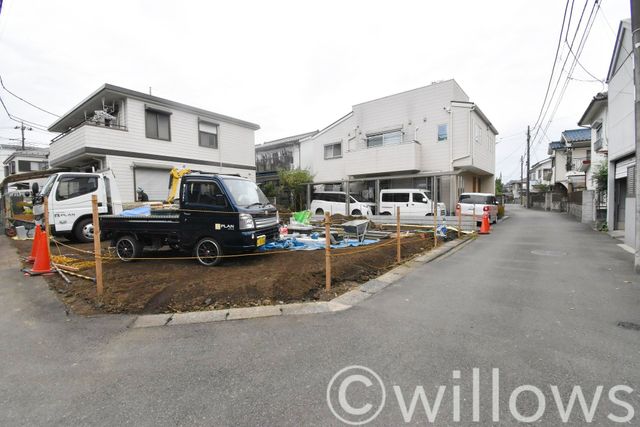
[{"x": 630, "y": 222}]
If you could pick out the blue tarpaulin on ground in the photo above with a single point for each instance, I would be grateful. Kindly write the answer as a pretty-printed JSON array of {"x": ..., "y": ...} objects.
[{"x": 313, "y": 244}]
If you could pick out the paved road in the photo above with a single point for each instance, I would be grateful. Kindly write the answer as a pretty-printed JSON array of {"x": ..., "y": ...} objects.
[{"x": 541, "y": 319}]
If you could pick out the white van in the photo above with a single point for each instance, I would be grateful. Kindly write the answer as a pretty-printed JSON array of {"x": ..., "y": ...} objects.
[
  {"x": 335, "y": 202},
  {"x": 411, "y": 202},
  {"x": 478, "y": 203},
  {"x": 69, "y": 202}
]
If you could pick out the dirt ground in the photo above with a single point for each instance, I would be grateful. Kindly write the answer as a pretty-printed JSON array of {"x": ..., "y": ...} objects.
[{"x": 174, "y": 285}]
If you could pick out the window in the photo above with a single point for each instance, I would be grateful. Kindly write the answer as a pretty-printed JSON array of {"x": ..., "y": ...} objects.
[
  {"x": 477, "y": 133},
  {"x": 157, "y": 125},
  {"x": 205, "y": 193},
  {"x": 74, "y": 186},
  {"x": 420, "y": 198},
  {"x": 395, "y": 197},
  {"x": 475, "y": 199},
  {"x": 28, "y": 166},
  {"x": 333, "y": 151},
  {"x": 443, "y": 132},
  {"x": 381, "y": 139},
  {"x": 208, "y": 135}
]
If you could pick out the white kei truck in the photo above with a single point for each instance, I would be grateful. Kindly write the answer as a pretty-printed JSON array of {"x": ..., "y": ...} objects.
[{"x": 69, "y": 202}]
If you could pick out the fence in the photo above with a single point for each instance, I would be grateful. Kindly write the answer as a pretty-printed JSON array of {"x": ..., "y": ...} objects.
[{"x": 399, "y": 223}]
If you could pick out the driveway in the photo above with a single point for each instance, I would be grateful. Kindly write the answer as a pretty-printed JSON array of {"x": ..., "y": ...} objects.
[{"x": 539, "y": 300}]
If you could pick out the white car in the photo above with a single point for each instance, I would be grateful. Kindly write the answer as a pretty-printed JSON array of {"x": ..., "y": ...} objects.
[
  {"x": 410, "y": 201},
  {"x": 335, "y": 202},
  {"x": 481, "y": 202}
]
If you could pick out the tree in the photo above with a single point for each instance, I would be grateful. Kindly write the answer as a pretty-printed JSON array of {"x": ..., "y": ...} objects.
[
  {"x": 293, "y": 182},
  {"x": 601, "y": 177}
]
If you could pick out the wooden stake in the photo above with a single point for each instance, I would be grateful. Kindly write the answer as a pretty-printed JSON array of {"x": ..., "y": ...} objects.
[
  {"x": 475, "y": 224},
  {"x": 459, "y": 212},
  {"x": 46, "y": 215},
  {"x": 435, "y": 224},
  {"x": 327, "y": 250},
  {"x": 96, "y": 245},
  {"x": 398, "y": 249}
]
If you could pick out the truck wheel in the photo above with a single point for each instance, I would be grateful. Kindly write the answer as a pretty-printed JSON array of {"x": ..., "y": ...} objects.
[
  {"x": 208, "y": 252},
  {"x": 319, "y": 211},
  {"x": 128, "y": 248},
  {"x": 83, "y": 231},
  {"x": 356, "y": 212}
]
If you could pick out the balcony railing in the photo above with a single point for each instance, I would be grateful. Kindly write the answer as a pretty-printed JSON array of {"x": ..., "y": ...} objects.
[
  {"x": 578, "y": 164},
  {"x": 598, "y": 145},
  {"x": 89, "y": 123}
]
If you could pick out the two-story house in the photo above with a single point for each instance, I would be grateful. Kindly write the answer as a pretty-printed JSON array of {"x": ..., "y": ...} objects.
[
  {"x": 432, "y": 137},
  {"x": 540, "y": 175},
  {"x": 280, "y": 154},
  {"x": 571, "y": 158},
  {"x": 142, "y": 137},
  {"x": 20, "y": 160},
  {"x": 620, "y": 129},
  {"x": 595, "y": 118}
]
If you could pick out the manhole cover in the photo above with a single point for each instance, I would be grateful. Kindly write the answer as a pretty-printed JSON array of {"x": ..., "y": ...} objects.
[
  {"x": 629, "y": 325},
  {"x": 548, "y": 253}
]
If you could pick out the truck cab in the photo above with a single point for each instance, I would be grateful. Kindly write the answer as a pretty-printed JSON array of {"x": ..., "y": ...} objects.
[{"x": 69, "y": 202}]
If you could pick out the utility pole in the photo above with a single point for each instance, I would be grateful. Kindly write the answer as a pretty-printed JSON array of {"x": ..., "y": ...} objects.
[
  {"x": 521, "y": 187},
  {"x": 635, "y": 40},
  {"x": 22, "y": 128},
  {"x": 528, "y": 166}
]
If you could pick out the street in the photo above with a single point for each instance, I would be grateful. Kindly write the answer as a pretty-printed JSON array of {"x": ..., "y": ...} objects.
[{"x": 539, "y": 299}]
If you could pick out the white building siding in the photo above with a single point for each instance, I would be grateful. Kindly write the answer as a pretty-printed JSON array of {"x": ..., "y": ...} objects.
[
  {"x": 620, "y": 104},
  {"x": 312, "y": 152}
]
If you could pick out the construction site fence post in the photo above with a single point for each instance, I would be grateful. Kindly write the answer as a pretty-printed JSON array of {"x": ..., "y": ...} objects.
[
  {"x": 459, "y": 213},
  {"x": 474, "y": 226},
  {"x": 398, "y": 246},
  {"x": 435, "y": 225},
  {"x": 96, "y": 245},
  {"x": 327, "y": 250}
]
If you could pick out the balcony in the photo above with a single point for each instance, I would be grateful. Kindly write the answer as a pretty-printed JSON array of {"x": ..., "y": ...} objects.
[
  {"x": 599, "y": 145},
  {"x": 77, "y": 139},
  {"x": 578, "y": 164},
  {"x": 391, "y": 158}
]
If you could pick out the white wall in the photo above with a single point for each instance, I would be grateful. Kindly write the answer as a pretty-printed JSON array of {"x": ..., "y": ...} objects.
[
  {"x": 621, "y": 121},
  {"x": 417, "y": 113}
]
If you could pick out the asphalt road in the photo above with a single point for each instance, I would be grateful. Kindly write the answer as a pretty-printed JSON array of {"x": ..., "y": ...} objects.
[{"x": 539, "y": 300}]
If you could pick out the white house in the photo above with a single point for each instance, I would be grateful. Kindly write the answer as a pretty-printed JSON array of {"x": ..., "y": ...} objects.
[
  {"x": 541, "y": 174},
  {"x": 621, "y": 137},
  {"x": 18, "y": 160},
  {"x": 571, "y": 159},
  {"x": 141, "y": 137},
  {"x": 432, "y": 137},
  {"x": 280, "y": 154}
]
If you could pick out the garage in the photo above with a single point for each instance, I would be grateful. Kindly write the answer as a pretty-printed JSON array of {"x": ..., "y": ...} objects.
[{"x": 154, "y": 181}]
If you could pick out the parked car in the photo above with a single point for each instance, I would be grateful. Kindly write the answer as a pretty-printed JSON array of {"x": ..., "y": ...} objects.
[
  {"x": 410, "y": 201},
  {"x": 481, "y": 202},
  {"x": 217, "y": 215},
  {"x": 335, "y": 202}
]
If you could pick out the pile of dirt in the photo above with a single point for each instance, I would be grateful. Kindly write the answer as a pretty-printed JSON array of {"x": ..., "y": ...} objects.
[{"x": 161, "y": 285}]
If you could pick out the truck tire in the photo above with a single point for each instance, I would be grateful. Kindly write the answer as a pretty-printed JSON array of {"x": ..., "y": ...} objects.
[
  {"x": 208, "y": 252},
  {"x": 128, "y": 248},
  {"x": 83, "y": 231},
  {"x": 356, "y": 212},
  {"x": 319, "y": 211}
]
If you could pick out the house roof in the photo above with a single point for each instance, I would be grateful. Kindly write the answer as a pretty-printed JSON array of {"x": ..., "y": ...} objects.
[
  {"x": 556, "y": 145},
  {"x": 76, "y": 115},
  {"x": 625, "y": 25},
  {"x": 540, "y": 163},
  {"x": 28, "y": 152},
  {"x": 573, "y": 136},
  {"x": 597, "y": 103},
  {"x": 268, "y": 145}
]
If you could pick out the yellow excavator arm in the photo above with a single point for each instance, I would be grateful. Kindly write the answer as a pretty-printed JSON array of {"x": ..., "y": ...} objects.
[{"x": 175, "y": 174}]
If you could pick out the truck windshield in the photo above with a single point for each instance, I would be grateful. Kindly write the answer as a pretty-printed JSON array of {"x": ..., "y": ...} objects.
[
  {"x": 245, "y": 193},
  {"x": 47, "y": 185}
]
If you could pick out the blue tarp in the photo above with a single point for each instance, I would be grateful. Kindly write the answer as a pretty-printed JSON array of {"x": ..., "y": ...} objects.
[
  {"x": 141, "y": 211},
  {"x": 312, "y": 244}
]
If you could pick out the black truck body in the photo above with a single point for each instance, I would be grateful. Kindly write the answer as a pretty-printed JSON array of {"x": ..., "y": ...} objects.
[{"x": 217, "y": 215}]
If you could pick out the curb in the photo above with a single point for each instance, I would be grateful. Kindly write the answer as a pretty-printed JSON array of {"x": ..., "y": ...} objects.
[{"x": 340, "y": 303}]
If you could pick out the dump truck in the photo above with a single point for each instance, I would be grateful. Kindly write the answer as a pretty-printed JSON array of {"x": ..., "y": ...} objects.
[{"x": 214, "y": 215}]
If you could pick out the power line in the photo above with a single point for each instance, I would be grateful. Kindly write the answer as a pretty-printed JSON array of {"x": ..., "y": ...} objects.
[
  {"x": 25, "y": 101},
  {"x": 21, "y": 120}
]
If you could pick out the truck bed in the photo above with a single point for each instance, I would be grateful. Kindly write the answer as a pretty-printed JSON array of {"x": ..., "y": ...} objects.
[{"x": 156, "y": 223}]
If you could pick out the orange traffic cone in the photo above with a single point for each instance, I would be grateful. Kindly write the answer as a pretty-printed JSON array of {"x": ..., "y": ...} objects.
[
  {"x": 34, "y": 248},
  {"x": 485, "y": 228},
  {"x": 42, "y": 264}
]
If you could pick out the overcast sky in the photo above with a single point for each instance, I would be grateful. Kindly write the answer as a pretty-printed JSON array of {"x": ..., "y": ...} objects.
[{"x": 296, "y": 66}]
